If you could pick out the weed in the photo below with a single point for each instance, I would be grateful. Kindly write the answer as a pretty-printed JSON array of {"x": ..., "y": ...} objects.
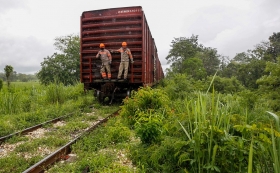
[{"x": 16, "y": 139}]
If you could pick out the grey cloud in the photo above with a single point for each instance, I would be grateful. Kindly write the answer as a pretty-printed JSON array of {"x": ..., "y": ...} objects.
[
  {"x": 210, "y": 21},
  {"x": 271, "y": 7},
  {"x": 232, "y": 30},
  {"x": 24, "y": 54},
  {"x": 11, "y": 4}
]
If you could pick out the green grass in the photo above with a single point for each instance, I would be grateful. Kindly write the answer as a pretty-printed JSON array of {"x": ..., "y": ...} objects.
[
  {"x": 207, "y": 132},
  {"x": 29, "y": 105},
  {"x": 21, "y": 85},
  {"x": 100, "y": 150},
  {"x": 52, "y": 140},
  {"x": 204, "y": 132}
]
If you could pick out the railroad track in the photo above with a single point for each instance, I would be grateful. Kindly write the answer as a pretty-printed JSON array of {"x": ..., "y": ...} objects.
[
  {"x": 63, "y": 152},
  {"x": 33, "y": 128}
]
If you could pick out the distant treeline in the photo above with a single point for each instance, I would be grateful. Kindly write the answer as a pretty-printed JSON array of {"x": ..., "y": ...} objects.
[{"x": 19, "y": 77}]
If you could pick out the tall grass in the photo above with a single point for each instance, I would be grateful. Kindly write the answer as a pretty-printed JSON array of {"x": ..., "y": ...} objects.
[
  {"x": 55, "y": 93},
  {"x": 274, "y": 149},
  {"x": 28, "y": 105},
  {"x": 217, "y": 142},
  {"x": 9, "y": 103},
  {"x": 206, "y": 118},
  {"x": 208, "y": 132}
]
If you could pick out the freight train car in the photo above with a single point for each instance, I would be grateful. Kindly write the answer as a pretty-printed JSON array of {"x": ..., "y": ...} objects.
[{"x": 112, "y": 27}]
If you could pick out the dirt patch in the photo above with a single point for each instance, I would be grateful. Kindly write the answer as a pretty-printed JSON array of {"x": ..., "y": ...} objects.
[
  {"x": 59, "y": 124},
  {"x": 41, "y": 151},
  {"x": 122, "y": 158},
  {"x": 39, "y": 133},
  {"x": 6, "y": 148},
  {"x": 90, "y": 114}
]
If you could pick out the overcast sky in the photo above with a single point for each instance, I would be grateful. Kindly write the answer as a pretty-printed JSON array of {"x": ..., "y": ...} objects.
[{"x": 28, "y": 27}]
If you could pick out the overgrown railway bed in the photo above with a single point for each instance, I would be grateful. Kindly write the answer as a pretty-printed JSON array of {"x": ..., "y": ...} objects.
[
  {"x": 33, "y": 128},
  {"x": 63, "y": 152},
  {"x": 55, "y": 141}
]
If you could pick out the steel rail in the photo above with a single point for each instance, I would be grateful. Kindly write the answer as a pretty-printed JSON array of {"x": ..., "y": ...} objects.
[
  {"x": 62, "y": 152},
  {"x": 35, "y": 127},
  {"x": 30, "y": 129}
]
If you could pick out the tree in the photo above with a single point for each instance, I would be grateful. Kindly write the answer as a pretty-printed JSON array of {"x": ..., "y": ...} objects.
[
  {"x": 242, "y": 58},
  {"x": 63, "y": 66},
  {"x": 274, "y": 47},
  {"x": 249, "y": 66},
  {"x": 13, "y": 76},
  {"x": 181, "y": 49},
  {"x": 210, "y": 59},
  {"x": 225, "y": 85},
  {"x": 2, "y": 76},
  {"x": 8, "y": 71},
  {"x": 1, "y": 84},
  {"x": 270, "y": 84},
  {"x": 194, "y": 68}
]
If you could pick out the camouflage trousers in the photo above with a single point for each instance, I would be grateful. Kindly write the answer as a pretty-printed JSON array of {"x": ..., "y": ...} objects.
[
  {"x": 103, "y": 72},
  {"x": 123, "y": 66}
]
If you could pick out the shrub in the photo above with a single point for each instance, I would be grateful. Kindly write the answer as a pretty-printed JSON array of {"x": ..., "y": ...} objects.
[
  {"x": 146, "y": 100},
  {"x": 118, "y": 132},
  {"x": 206, "y": 134},
  {"x": 149, "y": 128},
  {"x": 226, "y": 85},
  {"x": 145, "y": 111}
]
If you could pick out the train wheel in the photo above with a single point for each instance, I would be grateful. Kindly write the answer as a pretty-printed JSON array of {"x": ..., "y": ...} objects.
[
  {"x": 100, "y": 96},
  {"x": 128, "y": 92}
]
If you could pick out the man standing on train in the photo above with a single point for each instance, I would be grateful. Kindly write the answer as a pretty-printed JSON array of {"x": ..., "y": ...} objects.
[
  {"x": 125, "y": 56},
  {"x": 106, "y": 59}
]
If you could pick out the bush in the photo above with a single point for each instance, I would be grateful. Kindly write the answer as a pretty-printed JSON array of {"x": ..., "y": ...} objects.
[
  {"x": 179, "y": 86},
  {"x": 118, "y": 133},
  {"x": 145, "y": 101},
  {"x": 145, "y": 111},
  {"x": 225, "y": 85},
  {"x": 149, "y": 128},
  {"x": 204, "y": 134}
]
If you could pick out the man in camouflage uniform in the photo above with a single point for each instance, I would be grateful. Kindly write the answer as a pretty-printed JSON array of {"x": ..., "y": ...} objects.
[
  {"x": 106, "y": 59},
  {"x": 125, "y": 56}
]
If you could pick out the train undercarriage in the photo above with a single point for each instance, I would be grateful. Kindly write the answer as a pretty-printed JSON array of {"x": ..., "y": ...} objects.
[{"x": 111, "y": 91}]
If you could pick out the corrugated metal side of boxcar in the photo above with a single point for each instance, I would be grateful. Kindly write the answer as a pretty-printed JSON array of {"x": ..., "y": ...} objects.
[
  {"x": 111, "y": 27},
  {"x": 149, "y": 56}
]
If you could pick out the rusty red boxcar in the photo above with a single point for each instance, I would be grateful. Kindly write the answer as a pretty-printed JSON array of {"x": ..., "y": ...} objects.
[{"x": 112, "y": 27}]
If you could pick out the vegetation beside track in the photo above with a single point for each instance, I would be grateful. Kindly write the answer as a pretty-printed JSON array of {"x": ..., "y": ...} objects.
[
  {"x": 29, "y": 149},
  {"x": 203, "y": 132},
  {"x": 24, "y": 106},
  {"x": 104, "y": 150}
]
